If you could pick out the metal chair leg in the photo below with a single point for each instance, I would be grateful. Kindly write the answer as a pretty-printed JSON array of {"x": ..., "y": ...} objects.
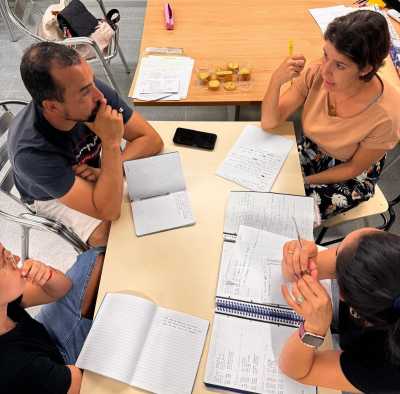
[
  {"x": 11, "y": 32},
  {"x": 122, "y": 56},
  {"x": 25, "y": 243},
  {"x": 109, "y": 76}
]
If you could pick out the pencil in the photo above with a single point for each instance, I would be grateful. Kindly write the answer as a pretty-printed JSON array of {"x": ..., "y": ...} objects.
[{"x": 290, "y": 50}]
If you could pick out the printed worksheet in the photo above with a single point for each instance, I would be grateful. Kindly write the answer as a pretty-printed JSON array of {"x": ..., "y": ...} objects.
[
  {"x": 244, "y": 355},
  {"x": 250, "y": 268},
  {"x": 256, "y": 158},
  {"x": 272, "y": 212}
]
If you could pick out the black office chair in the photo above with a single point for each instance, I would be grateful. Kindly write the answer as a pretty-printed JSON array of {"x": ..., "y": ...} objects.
[{"x": 26, "y": 219}]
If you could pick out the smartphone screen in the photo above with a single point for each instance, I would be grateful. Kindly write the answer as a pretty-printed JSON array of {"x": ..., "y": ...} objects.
[{"x": 197, "y": 139}]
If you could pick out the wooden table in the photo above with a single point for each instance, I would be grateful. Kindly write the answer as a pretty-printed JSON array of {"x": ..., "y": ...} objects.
[
  {"x": 252, "y": 31},
  {"x": 178, "y": 269}
]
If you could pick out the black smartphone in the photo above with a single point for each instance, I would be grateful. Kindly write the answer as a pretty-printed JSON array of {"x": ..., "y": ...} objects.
[{"x": 197, "y": 139}]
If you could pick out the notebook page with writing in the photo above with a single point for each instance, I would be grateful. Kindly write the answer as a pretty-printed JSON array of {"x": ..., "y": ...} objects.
[
  {"x": 256, "y": 159},
  {"x": 154, "y": 176},
  {"x": 250, "y": 268},
  {"x": 270, "y": 211},
  {"x": 244, "y": 355},
  {"x": 115, "y": 340},
  {"x": 162, "y": 213},
  {"x": 171, "y": 353}
]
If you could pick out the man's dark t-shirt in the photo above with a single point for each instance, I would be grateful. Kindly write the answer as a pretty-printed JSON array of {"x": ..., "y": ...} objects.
[
  {"x": 30, "y": 363},
  {"x": 42, "y": 156},
  {"x": 365, "y": 360}
]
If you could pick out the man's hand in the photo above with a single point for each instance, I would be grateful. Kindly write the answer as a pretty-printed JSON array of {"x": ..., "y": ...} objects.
[
  {"x": 296, "y": 259},
  {"x": 108, "y": 125},
  {"x": 86, "y": 172},
  {"x": 36, "y": 272}
]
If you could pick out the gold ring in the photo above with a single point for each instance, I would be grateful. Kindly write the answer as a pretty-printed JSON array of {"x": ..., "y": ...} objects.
[
  {"x": 290, "y": 251},
  {"x": 300, "y": 299}
]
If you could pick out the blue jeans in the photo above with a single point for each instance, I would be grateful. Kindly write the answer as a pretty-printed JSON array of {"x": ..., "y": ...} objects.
[{"x": 63, "y": 319}]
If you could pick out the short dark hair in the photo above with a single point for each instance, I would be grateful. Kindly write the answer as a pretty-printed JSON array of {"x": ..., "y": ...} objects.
[
  {"x": 363, "y": 36},
  {"x": 35, "y": 67},
  {"x": 368, "y": 276}
]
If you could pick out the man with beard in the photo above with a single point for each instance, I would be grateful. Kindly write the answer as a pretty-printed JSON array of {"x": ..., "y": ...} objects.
[{"x": 54, "y": 144}]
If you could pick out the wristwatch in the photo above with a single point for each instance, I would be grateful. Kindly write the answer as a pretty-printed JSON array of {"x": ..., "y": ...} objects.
[{"x": 310, "y": 339}]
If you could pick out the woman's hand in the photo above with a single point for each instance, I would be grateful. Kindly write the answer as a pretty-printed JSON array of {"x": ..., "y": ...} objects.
[
  {"x": 296, "y": 259},
  {"x": 311, "y": 301},
  {"x": 36, "y": 272},
  {"x": 290, "y": 68}
]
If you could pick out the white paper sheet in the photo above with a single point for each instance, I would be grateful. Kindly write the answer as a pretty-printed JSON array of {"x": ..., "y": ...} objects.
[
  {"x": 256, "y": 158},
  {"x": 157, "y": 70}
]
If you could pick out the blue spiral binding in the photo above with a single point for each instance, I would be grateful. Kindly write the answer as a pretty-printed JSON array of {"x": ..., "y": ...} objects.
[{"x": 255, "y": 311}]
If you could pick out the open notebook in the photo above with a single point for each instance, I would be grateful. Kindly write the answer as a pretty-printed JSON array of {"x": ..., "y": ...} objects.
[
  {"x": 139, "y": 343},
  {"x": 158, "y": 194},
  {"x": 252, "y": 320}
]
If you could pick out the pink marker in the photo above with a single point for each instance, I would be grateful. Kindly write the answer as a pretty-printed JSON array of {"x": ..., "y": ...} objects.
[{"x": 168, "y": 16}]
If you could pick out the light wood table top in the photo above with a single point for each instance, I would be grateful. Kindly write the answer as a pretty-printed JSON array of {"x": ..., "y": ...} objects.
[
  {"x": 253, "y": 32},
  {"x": 178, "y": 269}
]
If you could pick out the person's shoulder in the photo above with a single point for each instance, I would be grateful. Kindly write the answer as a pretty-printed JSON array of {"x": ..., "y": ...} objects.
[{"x": 389, "y": 103}]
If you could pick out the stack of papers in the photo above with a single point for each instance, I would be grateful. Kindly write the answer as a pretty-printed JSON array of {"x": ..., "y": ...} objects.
[
  {"x": 324, "y": 16},
  {"x": 256, "y": 159},
  {"x": 163, "y": 78}
]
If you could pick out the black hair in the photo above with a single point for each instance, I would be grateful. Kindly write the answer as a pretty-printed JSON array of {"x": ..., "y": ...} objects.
[
  {"x": 36, "y": 65},
  {"x": 363, "y": 36},
  {"x": 368, "y": 276}
]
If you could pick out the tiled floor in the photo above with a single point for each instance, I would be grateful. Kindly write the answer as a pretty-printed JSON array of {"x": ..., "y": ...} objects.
[{"x": 49, "y": 248}]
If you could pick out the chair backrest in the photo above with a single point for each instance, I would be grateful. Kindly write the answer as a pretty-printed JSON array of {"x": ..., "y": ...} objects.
[{"x": 6, "y": 173}]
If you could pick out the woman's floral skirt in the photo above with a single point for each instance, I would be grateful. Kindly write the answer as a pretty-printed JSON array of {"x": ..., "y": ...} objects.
[{"x": 335, "y": 198}]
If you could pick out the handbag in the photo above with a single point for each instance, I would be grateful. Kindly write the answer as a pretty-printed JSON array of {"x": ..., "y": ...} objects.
[{"x": 76, "y": 21}]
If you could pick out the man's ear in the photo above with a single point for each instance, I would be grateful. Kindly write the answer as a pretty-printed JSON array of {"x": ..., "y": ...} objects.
[{"x": 51, "y": 106}]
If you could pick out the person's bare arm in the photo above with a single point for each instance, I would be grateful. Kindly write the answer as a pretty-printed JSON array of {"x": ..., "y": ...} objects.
[
  {"x": 275, "y": 108},
  {"x": 102, "y": 199},
  {"x": 302, "y": 363},
  {"x": 361, "y": 161},
  {"x": 76, "y": 379},
  {"x": 142, "y": 139},
  {"x": 44, "y": 284}
]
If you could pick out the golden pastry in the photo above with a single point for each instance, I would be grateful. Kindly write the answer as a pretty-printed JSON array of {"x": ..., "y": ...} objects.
[
  {"x": 244, "y": 74},
  {"x": 230, "y": 85},
  {"x": 214, "y": 85},
  {"x": 225, "y": 75},
  {"x": 233, "y": 67},
  {"x": 203, "y": 76},
  {"x": 213, "y": 77}
]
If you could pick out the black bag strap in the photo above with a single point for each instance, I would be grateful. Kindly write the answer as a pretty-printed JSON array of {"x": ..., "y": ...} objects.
[{"x": 77, "y": 19}]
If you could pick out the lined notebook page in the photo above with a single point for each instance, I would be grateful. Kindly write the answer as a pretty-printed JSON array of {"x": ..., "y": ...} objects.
[
  {"x": 171, "y": 354},
  {"x": 250, "y": 268},
  {"x": 117, "y": 335},
  {"x": 270, "y": 211},
  {"x": 154, "y": 176},
  {"x": 244, "y": 355},
  {"x": 256, "y": 159}
]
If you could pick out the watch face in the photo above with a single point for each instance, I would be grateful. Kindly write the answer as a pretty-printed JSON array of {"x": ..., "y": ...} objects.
[{"x": 312, "y": 340}]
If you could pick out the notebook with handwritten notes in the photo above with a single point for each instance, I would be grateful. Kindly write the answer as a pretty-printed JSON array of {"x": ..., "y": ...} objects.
[
  {"x": 158, "y": 194},
  {"x": 144, "y": 345}
]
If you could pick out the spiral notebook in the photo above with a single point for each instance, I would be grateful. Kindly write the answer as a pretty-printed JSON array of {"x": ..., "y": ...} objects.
[{"x": 252, "y": 320}]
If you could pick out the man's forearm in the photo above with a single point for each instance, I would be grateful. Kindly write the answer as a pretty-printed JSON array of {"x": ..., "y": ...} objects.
[
  {"x": 142, "y": 147},
  {"x": 107, "y": 196}
]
